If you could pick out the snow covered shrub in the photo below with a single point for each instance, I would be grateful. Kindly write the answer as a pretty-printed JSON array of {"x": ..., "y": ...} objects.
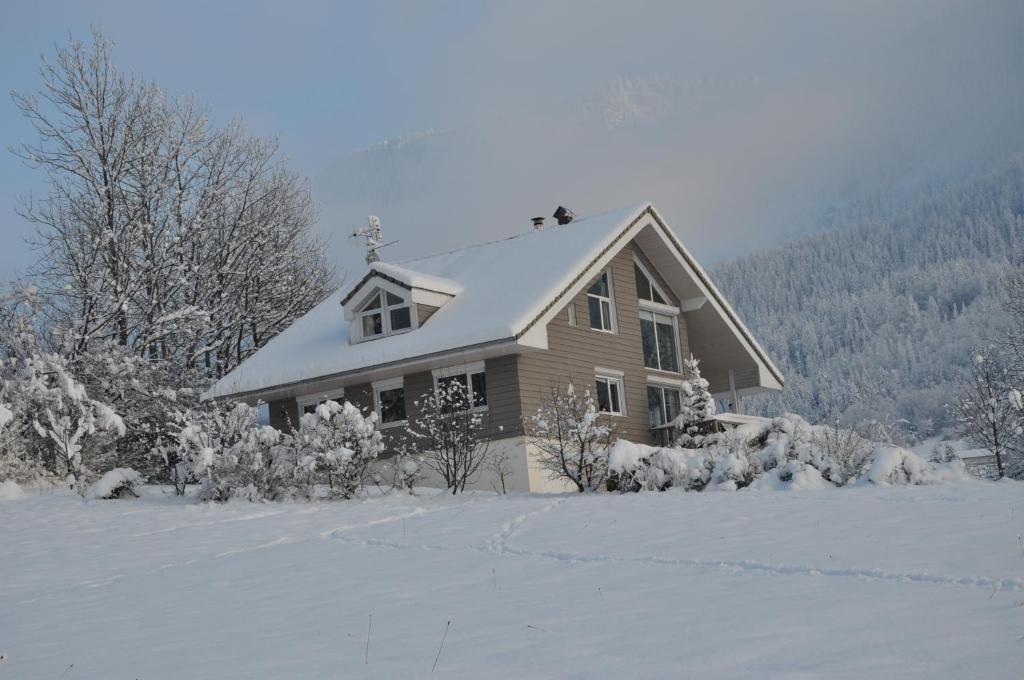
[
  {"x": 842, "y": 455},
  {"x": 231, "y": 455},
  {"x": 65, "y": 417},
  {"x": 794, "y": 475},
  {"x": 892, "y": 465},
  {"x": 117, "y": 483},
  {"x": 148, "y": 395},
  {"x": 944, "y": 452},
  {"x": 401, "y": 471},
  {"x": 572, "y": 438},
  {"x": 637, "y": 467},
  {"x": 20, "y": 456},
  {"x": 450, "y": 436},
  {"x": 333, "y": 448}
]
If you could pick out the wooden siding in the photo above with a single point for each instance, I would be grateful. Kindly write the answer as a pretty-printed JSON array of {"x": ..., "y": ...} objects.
[{"x": 575, "y": 351}]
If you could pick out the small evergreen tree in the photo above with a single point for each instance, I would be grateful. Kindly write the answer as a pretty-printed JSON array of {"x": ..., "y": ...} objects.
[{"x": 698, "y": 406}]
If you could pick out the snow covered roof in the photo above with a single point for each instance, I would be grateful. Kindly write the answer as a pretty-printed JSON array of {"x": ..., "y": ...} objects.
[
  {"x": 499, "y": 288},
  {"x": 502, "y": 291}
]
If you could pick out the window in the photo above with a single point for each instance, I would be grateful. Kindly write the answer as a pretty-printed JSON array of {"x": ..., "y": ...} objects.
[
  {"x": 645, "y": 287},
  {"x": 662, "y": 404},
  {"x": 389, "y": 400},
  {"x": 658, "y": 336},
  {"x": 610, "y": 395},
  {"x": 309, "y": 403},
  {"x": 383, "y": 314},
  {"x": 472, "y": 385},
  {"x": 572, "y": 313},
  {"x": 599, "y": 299}
]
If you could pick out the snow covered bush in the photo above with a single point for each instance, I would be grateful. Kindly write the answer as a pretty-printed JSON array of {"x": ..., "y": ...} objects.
[
  {"x": 843, "y": 455},
  {"x": 333, "y": 448},
  {"x": 148, "y": 395},
  {"x": 638, "y": 467},
  {"x": 892, "y": 465},
  {"x": 400, "y": 472},
  {"x": 785, "y": 453},
  {"x": 230, "y": 454},
  {"x": 572, "y": 438},
  {"x": 451, "y": 437},
  {"x": 117, "y": 483},
  {"x": 66, "y": 418}
]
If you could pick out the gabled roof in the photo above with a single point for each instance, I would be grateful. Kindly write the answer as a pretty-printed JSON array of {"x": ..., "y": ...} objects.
[
  {"x": 501, "y": 289},
  {"x": 405, "y": 277}
]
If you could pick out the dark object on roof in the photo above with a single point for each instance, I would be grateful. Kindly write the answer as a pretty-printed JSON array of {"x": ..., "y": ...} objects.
[{"x": 564, "y": 215}]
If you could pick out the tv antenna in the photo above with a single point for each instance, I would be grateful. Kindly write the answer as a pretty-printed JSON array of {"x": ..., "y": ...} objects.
[{"x": 374, "y": 238}]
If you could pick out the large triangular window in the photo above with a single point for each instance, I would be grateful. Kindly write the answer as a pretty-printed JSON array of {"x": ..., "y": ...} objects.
[
  {"x": 384, "y": 314},
  {"x": 646, "y": 289}
]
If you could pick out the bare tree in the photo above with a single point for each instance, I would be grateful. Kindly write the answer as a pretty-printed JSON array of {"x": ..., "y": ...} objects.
[
  {"x": 451, "y": 435},
  {"x": 986, "y": 413},
  {"x": 161, "y": 233},
  {"x": 572, "y": 438},
  {"x": 501, "y": 465},
  {"x": 845, "y": 454}
]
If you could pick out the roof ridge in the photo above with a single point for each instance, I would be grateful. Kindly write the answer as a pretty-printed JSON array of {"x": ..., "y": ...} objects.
[
  {"x": 635, "y": 207},
  {"x": 459, "y": 249}
]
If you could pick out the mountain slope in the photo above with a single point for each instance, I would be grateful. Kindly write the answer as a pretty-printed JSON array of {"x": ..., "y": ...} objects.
[{"x": 876, "y": 318}]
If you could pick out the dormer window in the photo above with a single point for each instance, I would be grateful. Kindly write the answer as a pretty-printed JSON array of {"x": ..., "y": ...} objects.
[{"x": 384, "y": 314}]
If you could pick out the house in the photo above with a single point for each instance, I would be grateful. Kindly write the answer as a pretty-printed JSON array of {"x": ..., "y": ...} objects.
[{"x": 612, "y": 301}]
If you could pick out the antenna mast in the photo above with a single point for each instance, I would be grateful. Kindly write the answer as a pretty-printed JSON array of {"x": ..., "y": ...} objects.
[{"x": 374, "y": 238}]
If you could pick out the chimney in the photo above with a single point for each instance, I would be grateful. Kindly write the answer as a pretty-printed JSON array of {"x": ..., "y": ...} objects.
[
  {"x": 564, "y": 215},
  {"x": 538, "y": 222}
]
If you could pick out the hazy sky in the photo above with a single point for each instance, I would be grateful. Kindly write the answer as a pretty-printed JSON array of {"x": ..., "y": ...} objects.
[{"x": 458, "y": 121}]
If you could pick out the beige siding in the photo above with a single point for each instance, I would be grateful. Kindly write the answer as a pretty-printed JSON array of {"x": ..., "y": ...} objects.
[
  {"x": 574, "y": 352},
  {"x": 504, "y": 401}
]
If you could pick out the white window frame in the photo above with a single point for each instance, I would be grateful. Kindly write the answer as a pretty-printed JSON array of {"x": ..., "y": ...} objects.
[
  {"x": 664, "y": 385},
  {"x": 572, "y": 313},
  {"x": 672, "y": 314},
  {"x": 612, "y": 377},
  {"x": 467, "y": 370},
  {"x": 383, "y": 386},
  {"x": 384, "y": 310},
  {"x": 612, "y": 318},
  {"x": 318, "y": 398},
  {"x": 654, "y": 284}
]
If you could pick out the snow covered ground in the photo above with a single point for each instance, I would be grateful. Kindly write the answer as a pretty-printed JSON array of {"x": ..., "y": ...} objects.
[{"x": 850, "y": 583}]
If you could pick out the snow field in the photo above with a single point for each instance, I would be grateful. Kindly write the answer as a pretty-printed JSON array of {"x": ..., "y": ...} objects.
[{"x": 894, "y": 582}]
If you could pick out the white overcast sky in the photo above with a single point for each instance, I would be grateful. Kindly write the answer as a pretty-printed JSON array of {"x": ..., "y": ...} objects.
[{"x": 458, "y": 121}]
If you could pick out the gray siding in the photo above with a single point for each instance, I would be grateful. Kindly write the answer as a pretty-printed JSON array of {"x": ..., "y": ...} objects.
[
  {"x": 575, "y": 351},
  {"x": 284, "y": 414}
]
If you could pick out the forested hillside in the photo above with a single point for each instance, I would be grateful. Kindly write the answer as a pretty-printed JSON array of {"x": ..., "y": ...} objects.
[{"x": 876, "y": 317}]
